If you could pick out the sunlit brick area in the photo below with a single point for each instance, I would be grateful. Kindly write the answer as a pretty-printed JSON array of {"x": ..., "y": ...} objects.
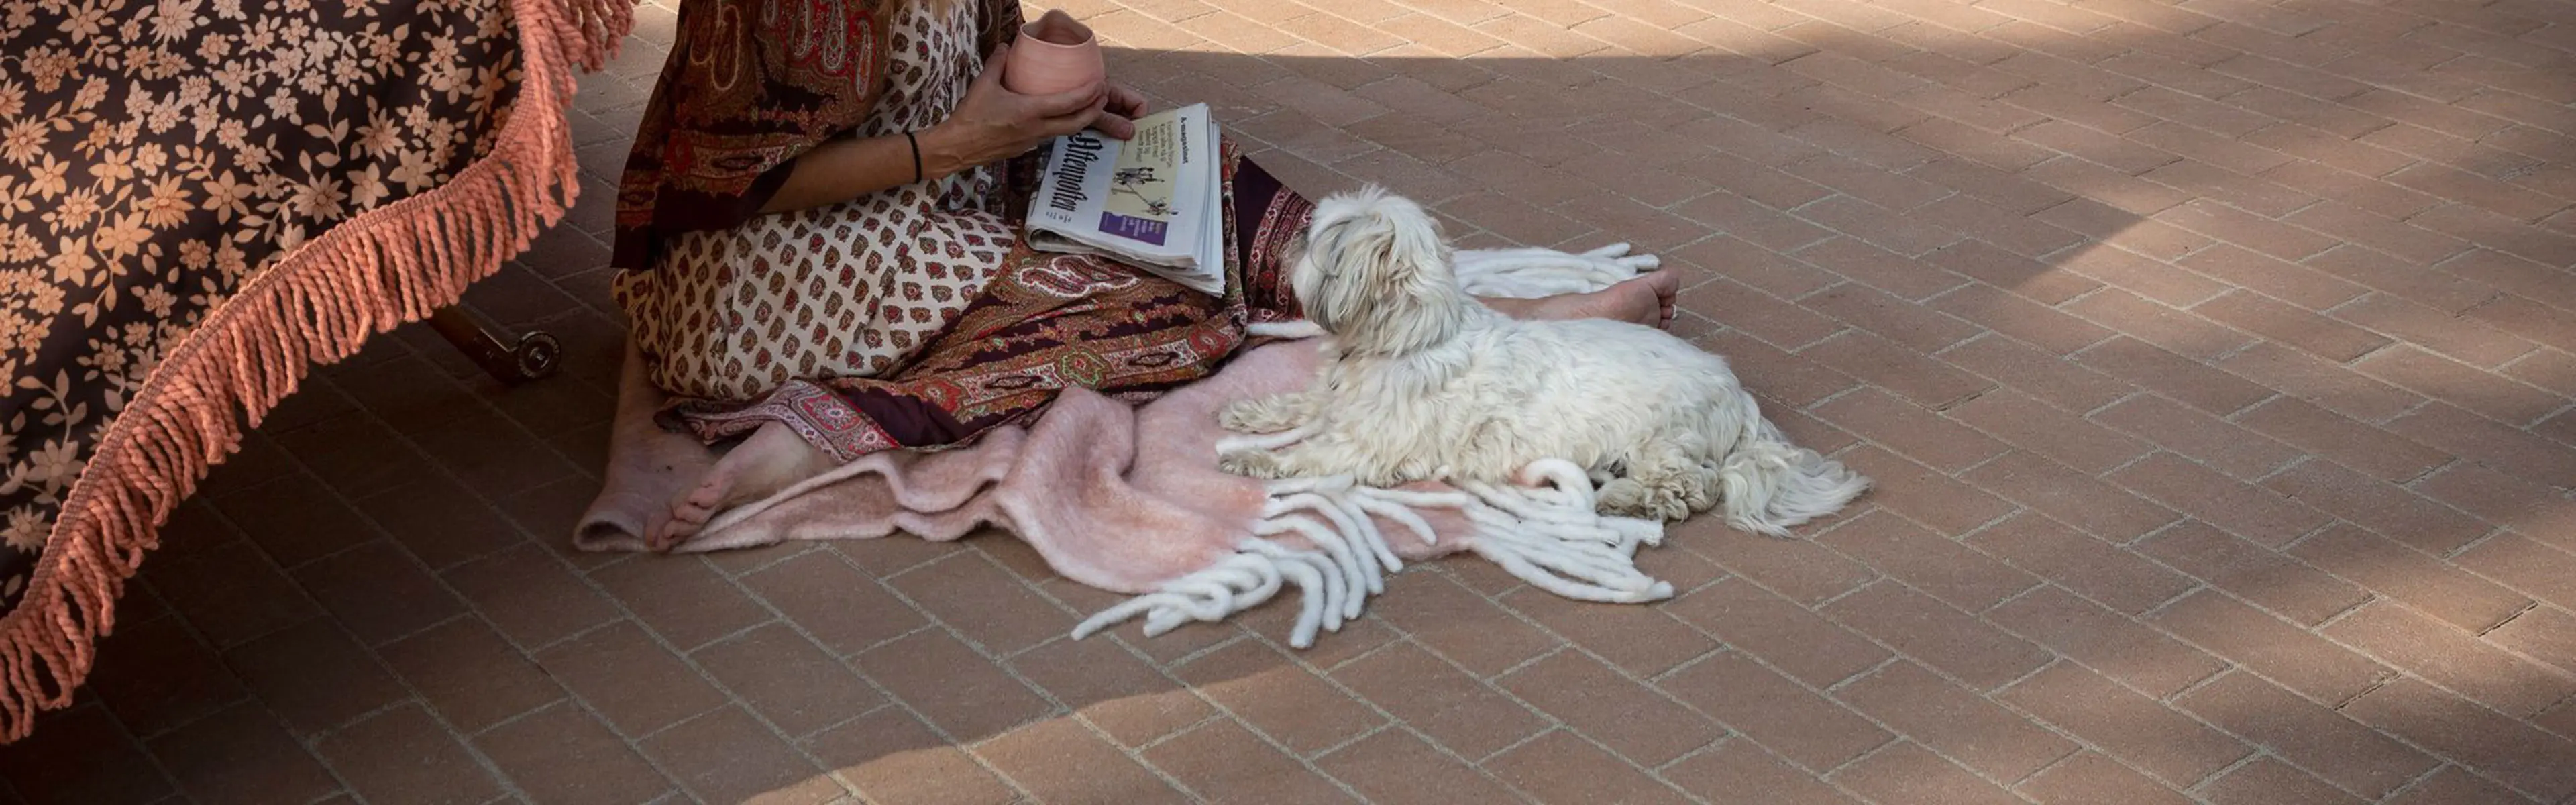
[{"x": 2214, "y": 360}]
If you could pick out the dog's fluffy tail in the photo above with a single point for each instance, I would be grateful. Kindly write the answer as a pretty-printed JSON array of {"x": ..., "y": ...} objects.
[{"x": 1769, "y": 484}]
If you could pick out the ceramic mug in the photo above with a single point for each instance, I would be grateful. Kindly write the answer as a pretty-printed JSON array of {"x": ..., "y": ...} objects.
[{"x": 1053, "y": 54}]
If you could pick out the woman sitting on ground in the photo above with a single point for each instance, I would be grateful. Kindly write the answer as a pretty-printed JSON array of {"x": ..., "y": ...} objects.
[{"x": 820, "y": 247}]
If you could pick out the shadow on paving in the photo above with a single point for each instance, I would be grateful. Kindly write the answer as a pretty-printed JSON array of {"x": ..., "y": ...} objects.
[{"x": 382, "y": 575}]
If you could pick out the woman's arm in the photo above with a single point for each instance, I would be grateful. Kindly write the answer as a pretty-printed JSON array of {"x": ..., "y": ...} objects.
[
  {"x": 841, "y": 170},
  {"x": 991, "y": 124}
]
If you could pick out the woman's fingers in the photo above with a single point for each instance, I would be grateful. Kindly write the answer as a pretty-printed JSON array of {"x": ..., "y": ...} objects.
[
  {"x": 1126, "y": 102},
  {"x": 992, "y": 74},
  {"x": 1085, "y": 118},
  {"x": 1117, "y": 126}
]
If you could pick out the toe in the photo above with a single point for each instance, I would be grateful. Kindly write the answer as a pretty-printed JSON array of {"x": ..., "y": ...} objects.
[
  {"x": 706, "y": 495},
  {"x": 704, "y": 499},
  {"x": 653, "y": 531}
]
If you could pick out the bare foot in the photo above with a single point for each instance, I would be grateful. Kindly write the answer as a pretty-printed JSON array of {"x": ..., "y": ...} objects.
[
  {"x": 1646, "y": 300},
  {"x": 773, "y": 459}
]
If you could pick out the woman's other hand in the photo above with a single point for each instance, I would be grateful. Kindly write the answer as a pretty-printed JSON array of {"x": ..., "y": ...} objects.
[
  {"x": 993, "y": 124},
  {"x": 1118, "y": 118}
]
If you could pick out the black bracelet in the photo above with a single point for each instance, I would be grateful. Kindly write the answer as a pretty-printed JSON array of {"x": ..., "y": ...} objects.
[{"x": 916, "y": 156}]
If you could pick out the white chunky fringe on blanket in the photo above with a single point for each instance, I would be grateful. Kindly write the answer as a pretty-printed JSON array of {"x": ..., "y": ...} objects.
[
  {"x": 1129, "y": 499},
  {"x": 1545, "y": 533}
]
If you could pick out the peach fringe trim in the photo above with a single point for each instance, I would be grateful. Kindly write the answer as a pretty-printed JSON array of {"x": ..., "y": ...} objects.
[{"x": 316, "y": 305}]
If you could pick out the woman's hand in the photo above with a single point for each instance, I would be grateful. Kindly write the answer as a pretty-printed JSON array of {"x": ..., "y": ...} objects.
[
  {"x": 993, "y": 124},
  {"x": 1118, "y": 118}
]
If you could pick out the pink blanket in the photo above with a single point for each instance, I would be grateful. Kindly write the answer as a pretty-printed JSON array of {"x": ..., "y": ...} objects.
[{"x": 1129, "y": 499}]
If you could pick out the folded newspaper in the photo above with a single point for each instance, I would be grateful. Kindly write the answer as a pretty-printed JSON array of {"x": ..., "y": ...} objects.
[{"x": 1154, "y": 200}]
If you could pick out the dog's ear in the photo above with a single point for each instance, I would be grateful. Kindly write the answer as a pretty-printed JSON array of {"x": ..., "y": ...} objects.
[
  {"x": 1327, "y": 290},
  {"x": 1386, "y": 281}
]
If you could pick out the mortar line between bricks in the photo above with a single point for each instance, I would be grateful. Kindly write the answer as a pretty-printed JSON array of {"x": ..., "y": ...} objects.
[
  {"x": 1346, "y": 743},
  {"x": 732, "y": 698},
  {"x": 2263, "y": 750},
  {"x": 1650, "y": 684},
  {"x": 2044, "y": 769},
  {"x": 2565, "y": 701},
  {"x": 1725, "y": 736},
  {"x": 1893, "y": 739},
  {"x": 463, "y": 740},
  {"x": 136, "y": 742},
  {"x": 2317, "y": 631},
  {"x": 2418, "y": 478},
  {"x": 2141, "y": 458},
  {"x": 1828, "y": 399},
  {"x": 1876, "y": 576},
  {"x": 1406, "y": 637},
  {"x": 2159, "y": 531},
  {"x": 1840, "y": 281},
  {"x": 1506, "y": 749},
  {"x": 2212, "y": 778},
  {"x": 2527, "y": 607},
  {"x": 2552, "y": 414},
  {"x": 1901, "y": 736},
  {"x": 932, "y": 621},
  {"x": 2423, "y": 779},
  {"x": 1981, "y": 464},
  {"x": 2197, "y": 584},
  {"x": 2009, "y": 600},
  {"x": 1979, "y": 528},
  {"x": 2493, "y": 533},
  {"x": 1895, "y": 734},
  {"x": 2528, "y": 356},
  {"x": 1301, "y": 761},
  {"x": 2286, "y": 468},
  {"x": 2087, "y": 744},
  {"x": 1215, "y": 715},
  {"x": 2397, "y": 672},
  {"x": 2135, "y": 393},
  {"x": 2224, "y": 670},
  {"x": 2221, "y": 356},
  {"x": 1840, "y": 684},
  {"x": 140, "y": 738}
]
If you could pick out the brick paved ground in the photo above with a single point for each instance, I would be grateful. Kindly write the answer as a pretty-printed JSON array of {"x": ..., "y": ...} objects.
[{"x": 2214, "y": 359}]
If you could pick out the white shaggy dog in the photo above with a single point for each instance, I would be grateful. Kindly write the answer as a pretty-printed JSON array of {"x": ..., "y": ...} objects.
[{"x": 1421, "y": 382}]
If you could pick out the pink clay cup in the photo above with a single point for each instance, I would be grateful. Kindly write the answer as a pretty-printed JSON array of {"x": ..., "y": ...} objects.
[{"x": 1054, "y": 54}]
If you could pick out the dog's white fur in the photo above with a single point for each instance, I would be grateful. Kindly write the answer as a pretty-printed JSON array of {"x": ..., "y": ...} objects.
[{"x": 1421, "y": 382}]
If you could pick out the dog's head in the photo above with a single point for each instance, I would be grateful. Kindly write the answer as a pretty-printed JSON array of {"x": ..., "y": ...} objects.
[{"x": 1373, "y": 271}]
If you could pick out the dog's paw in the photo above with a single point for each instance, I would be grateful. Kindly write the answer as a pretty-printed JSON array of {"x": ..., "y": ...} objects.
[
  {"x": 1264, "y": 414},
  {"x": 1628, "y": 497},
  {"x": 1251, "y": 464},
  {"x": 1251, "y": 416},
  {"x": 1624, "y": 497}
]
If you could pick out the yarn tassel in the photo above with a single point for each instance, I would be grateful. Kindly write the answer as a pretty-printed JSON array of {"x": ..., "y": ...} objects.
[{"x": 1545, "y": 533}]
